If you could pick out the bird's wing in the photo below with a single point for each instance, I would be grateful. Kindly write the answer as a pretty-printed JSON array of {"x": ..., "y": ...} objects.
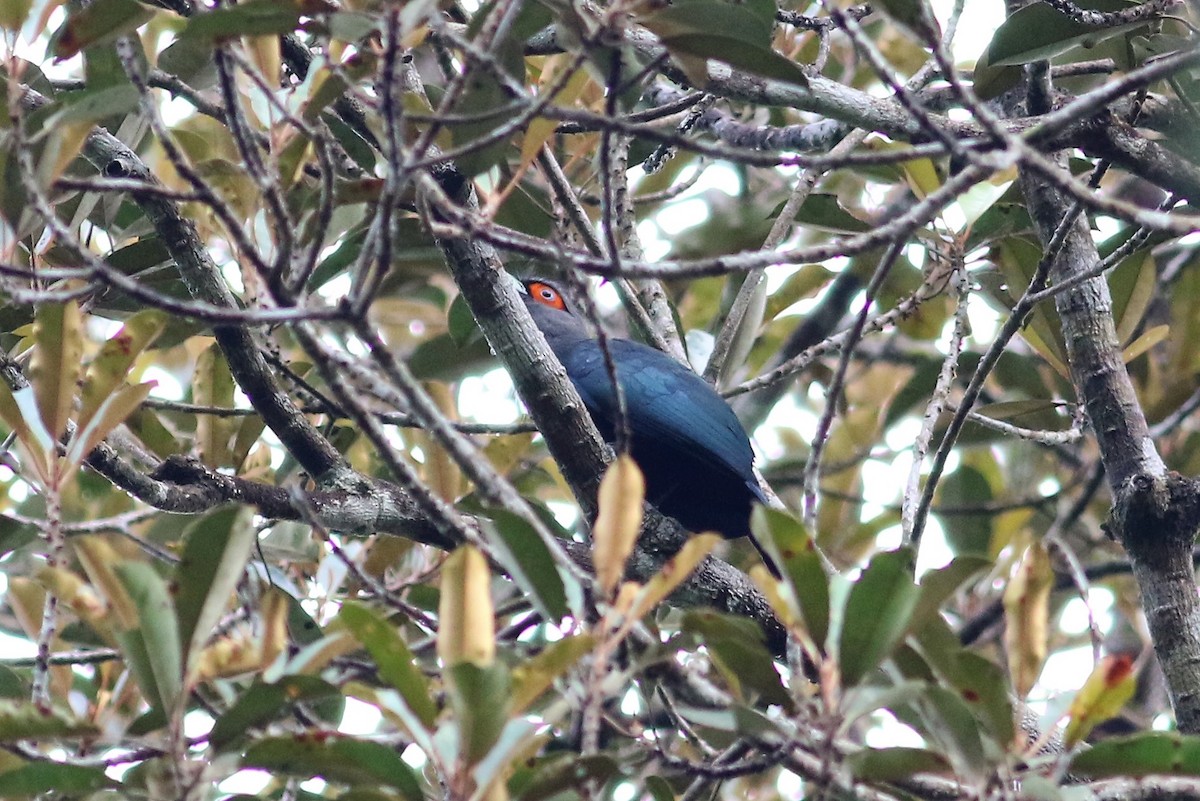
[{"x": 666, "y": 402}]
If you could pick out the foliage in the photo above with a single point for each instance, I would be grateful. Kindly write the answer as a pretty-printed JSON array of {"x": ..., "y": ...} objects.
[{"x": 268, "y": 531}]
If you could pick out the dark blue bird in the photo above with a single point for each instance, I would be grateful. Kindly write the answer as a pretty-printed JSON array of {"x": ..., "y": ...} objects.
[{"x": 691, "y": 447}]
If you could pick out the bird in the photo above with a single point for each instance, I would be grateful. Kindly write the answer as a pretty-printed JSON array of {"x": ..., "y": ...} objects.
[{"x": 692, "y": 449}]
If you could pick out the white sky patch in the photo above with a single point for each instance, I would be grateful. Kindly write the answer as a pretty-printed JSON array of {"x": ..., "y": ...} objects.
[
  {"x": 337, "y": 287},
  {"x": 654, "y": 244},
  {"x": 1064, "y": 672},
  {"x": 888, "y": 732},
  {"x": 565, "y": 513},
  {"x": 606, "y": 296},
  {"x": 1074, "y": 617},
  {"x": 631, "y": 702},
  {"x": 935, "y": 553},
  {"x": 625, "y": 791},
  {"x": 982, "y": 318},
  {"x": 232, "y": 274},
  {"x": 278, "y": 452},
  {"x": 197, "y": 723},
  {"x": 790, "y": 785},
  {"x": 679, "y": 217},
  {"x": 168, "y": 386},
  {"x": 359, "y": 718},
  {"x": 246, "y": 782},
  {"x": 15, "y": 647},
  {"x": 315, "y": 786},
  {"x": 915, "y": 253},
  {"x": 488, "y": 398},
  {"x": 785, "y": 415},
  {"x": 414, "y": 757},
  {"x": 879, "y": 487}
]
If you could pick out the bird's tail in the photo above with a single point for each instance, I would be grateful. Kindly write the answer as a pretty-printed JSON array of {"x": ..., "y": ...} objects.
[{"x": 768, "y": 560}]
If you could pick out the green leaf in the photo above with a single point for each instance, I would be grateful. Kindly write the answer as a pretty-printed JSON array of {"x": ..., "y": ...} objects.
[
  {"x": 951, "y": 723},
  {"x": 13, "y": 13},
  {"x": 565, "y": 772},
  {"x": 335, "y": 759},
  {"x": 983, "y": 685},
  {"x": 460, "y": 322},
  {"x": 252, "y": 18},
  {"x": 212, "y": 385},
  {"x": 19, "y": 410},
  {"x": 737, "y": 647},
  {"x": 14, "y": 534},
  {"x": 703, "y": 29},
  {"x": 892, "y": 764},
  {"x": 528, "y": 560},
  {"x": 36, "y": 778},
  {"x": 877, "y": 614},
  {"x": 301, "y": 626},
  {"x": 23, "y": 720},
  {"x": 789, "y": 543},
  {"x": 112, "y": 364},
  {"x": 11, "y": 684},
  {"x": 263, "y": 703},
  {"x": 216, "y": 548},
  {"x": 533, "y": 676},
  {"x": 57, "y": 361},
  {"x": 1040, "y": 31},
  {"x": 191, "y": 60},
  {"x": 938, "y": 585},
  {"x": 659, "y": 789},
  {"x": 350, "y": 26},
  {"x": 395, "y": 662},
  {"x": 157, "y": 634},
  {"x": 113, "y": 411},
  {"x": 480, "y": 697},
  {"x": 93, "y": 105},
  {"x": 827, "y": 213},
  {"x": 101, "y": 21},
  {"x": 915, "y": 17},
  {"x": 1133, "y": 285},
  {"x": 968, "y": 534},
  {"x": 978, "y": 682},
  {"x": 1140, "y": 755}
]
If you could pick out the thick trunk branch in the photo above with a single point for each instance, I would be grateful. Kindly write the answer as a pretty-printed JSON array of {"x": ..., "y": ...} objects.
[{"x": 1155, "y": 514}]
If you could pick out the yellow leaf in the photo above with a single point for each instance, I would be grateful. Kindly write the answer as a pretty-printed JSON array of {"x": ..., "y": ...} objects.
[
  {"x": 1102, "y": 696},
  {"x": 264, "y": 52},
  {"x": 72, "y": 591},
  {"x": 212, "y": 385},
  {"x": 441, "y": 471},
  {"x": 534, "y": 676},
  {"x": 466, "y": 622},
  {"x": 229, "y": 656},
  {"x": 98, "y": 559},
  {"x": 541, "y": 129},
  {"x": 675, "y": 571},
  {"x": 1027, "y": 617},
  {"x": 111, "y": 414},
  {"x": 19, "y": 410},
  {"x": 57, "y": 360},
  {"x": 110, "y": 367},
  {"x": 1145, "y": 342},
  {"x": 922, "y": 177},
  {"x": 64, "y": 143},
  {"x": 274, "y": 624},
  {"x": 622, "y": 492}
]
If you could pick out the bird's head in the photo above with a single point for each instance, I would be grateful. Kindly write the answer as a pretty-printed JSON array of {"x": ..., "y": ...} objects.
[
  {"x": 553, "y": 315},
  {"x": 544, "y": 293}
]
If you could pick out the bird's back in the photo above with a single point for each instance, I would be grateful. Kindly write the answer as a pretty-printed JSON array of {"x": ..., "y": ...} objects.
[
  {"x": 695, "y": 454},
  {"x": 693, "y": 451}
]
